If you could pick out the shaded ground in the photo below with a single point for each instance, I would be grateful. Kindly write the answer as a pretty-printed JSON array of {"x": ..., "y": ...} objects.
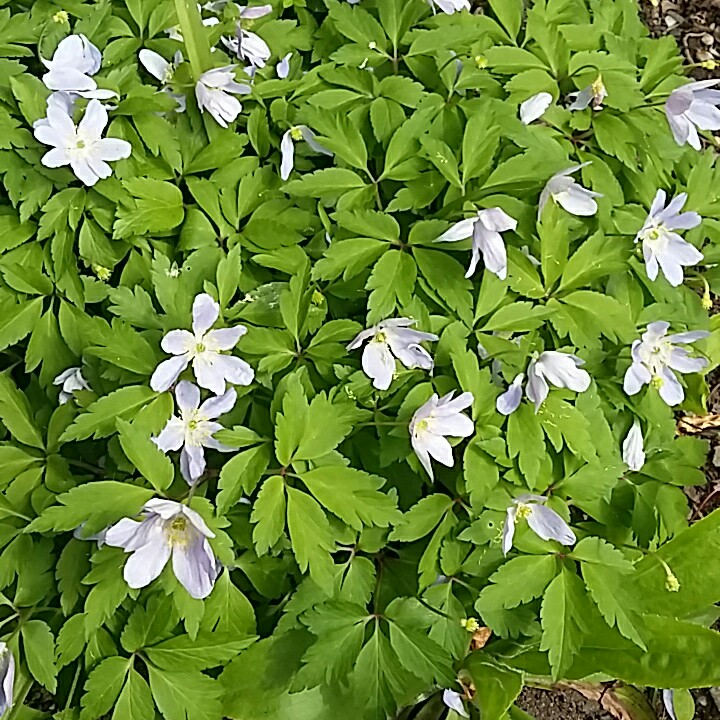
[{"x": 695, "y": 24}]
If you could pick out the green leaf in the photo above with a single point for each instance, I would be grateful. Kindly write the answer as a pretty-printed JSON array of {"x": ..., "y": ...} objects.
[
  {"x": 352, "y": 495},
  {"x": 100, "y": 418},
  {"x": 142, "y": 452},
  {"x": 39, "y": 651},
  {"x": 227, "y": 610},
  {"x": 391, "y": 284},
  {"x": 324, "y": 183},
  {"x": 497, "y": 686},
  {"x": 268, "y": 514},
  {"x": 563, "y": 614},
  {"x": 185, "y": 695},
  {"x": 240, "y": 475},
  {"x": 135, "y": 700},
  {"x": 446, "y": 277},
  {"x": 368, "y": 223},
  {"x": 518, "y": 581},
  {"x": 422, "y": 518},
  {"x": 103, "y": 687},
  {"x": 17, "y": 320},
  {"x": 348, "y": 258},
  {"x": 442, "y": 157},
  {"x": 105, "y": 501},
  {"x": 155, "y": 206},
  {"x": 509, "y": 13},
  {"x": 200, "y": 653},
  {"x": 310, "y": 535},
  {"x": 16, "y": 414}
]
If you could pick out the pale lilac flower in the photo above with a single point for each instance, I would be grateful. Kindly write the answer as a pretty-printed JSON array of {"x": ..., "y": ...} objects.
[
  {"x": 557, "y": 368},
  {"x": 167, "y": 529},
  {"x": 450, "y": 6},
  {"x": 70, "y": 380},
  {"x": 437, "y": 419},
  {"x": 203, "y": 347},
  {"x": 248, "y": 45},
  {"x": 163, "y": 71},
  {"x": 98, "y": 537},
  {"x": 543, "y": 521},
  {"x": 661, "y": 246},
  {"x": 193, "y": 430},
  {"x": 509, "y": 401},
  {"x": 633, "y": 452},
  {"x": 485, "y": 229},
  {"x": 454, "y": 700},
  {"x": 7, "y": 678},
  {"x": 82, "y": 147},
  {"x": 74, "y": 61},
  {"x": 212, "y": 93},
  {"x": 668, "y": 697},
  {"x": 287, "y": 147},
  {"x": 656, "y": 356},
  {"x": 570, "y": 195},
  {"x": 60, "y": 102},
  {"x": 593, "y": 95},
  {"x": 388, "y": 340},
  {"x": 693, "y": 107},
  {"x": 282, "y": 69},
  {"x": 534, "y": 108}
]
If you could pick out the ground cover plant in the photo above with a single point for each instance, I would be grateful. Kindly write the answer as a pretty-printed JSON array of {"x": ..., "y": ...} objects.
[{"x": 341, "y": 349}]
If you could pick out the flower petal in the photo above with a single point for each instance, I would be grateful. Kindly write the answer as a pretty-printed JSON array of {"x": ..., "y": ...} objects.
[
  {"x": 146, "y": 563},
  {"x": 187, "y": 396},
  {"x": 633, "y": 452},
  {"x": 378, "y": 364},
  {"x": 167, "y": 372},
  {"x": 172, "y": 436},
  {"x": 225, "y": 338},
  {"x": 548, "y": 525},
  {"x": 205, "y": 312},
  {"x": 216, "y": 406},
  {"x": 534, "y": 108},
  {"x": 195, "y": 568}
]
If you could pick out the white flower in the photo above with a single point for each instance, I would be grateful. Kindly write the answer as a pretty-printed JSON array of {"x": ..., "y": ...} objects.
[
  {"x": 167, "y": 529},
  {"x": 693, "y": 107},
  {"x": 593, "y": 94},
  {"x": 560, "y": 369},
  {"x": 248, "y": 45},
  {"x": 663, "y": 247},
  {"x": 668, "y": 697},
  {"x": 485, "y": 229},
  {"x": 282, "y": 69},
  {"x": 82, "y": 147},
  {"x": 203, "y": 348},
  {"x": 98, "y": 537},
  {"x": 654, "y": 358},
  {"x": 60, "y": 102},
  {"x": 509, "y": 401},
  {"x": 633, "y": 453},
  {"x": 534, "y": 108},
  {"x": 163, "y": 71},
  {"x": 543, "y": 521},
  {"x": 392, "y": 339},
  {"x": 569, "y": 194},
  {"x": 194, "y": 429},
  {"x": 437, "y": 419},
  {"x": 7, "y": 678},
  {"x": 212, "y": 95},
  {"x": 454, "y": 700},
  {"x": 287, "y": 147},
  {"x": 71, "y": 380},
  {"x": 72, "y": 64},
  {"x": 451, "y": 6}
]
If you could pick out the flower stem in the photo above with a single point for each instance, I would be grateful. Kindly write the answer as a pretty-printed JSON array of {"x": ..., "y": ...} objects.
[{"x": 193, "y": 33}]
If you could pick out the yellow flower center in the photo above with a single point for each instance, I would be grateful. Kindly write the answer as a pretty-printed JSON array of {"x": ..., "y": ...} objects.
[
  {"x": 598, "y": 87},
  {"x": 657, "y": 382},
  {"x": 296, "y": 133},
  {"x": 80, "y": 144},
  {"x": 524, "y": 511},
  {"x": 421, "y": 426},
  {"x": 380, "y": 337},
  {"x": 200, "y": 348},
  {"x": 177, "y": 532}
]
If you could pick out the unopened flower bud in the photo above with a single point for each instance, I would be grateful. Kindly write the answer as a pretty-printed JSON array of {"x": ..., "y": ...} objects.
[
  {"x": 470, "y": 624},
  {"x": 61, "y": 17},
  {"x": 481, "y": 62},
  {"x": 102, "y": 272}
]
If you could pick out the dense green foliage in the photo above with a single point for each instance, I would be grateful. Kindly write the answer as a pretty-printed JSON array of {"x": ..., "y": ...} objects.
[{"x": 349, "y": 581}]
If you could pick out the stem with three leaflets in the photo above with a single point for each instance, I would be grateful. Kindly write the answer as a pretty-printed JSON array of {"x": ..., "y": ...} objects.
[{"x": 193, "y": 33}]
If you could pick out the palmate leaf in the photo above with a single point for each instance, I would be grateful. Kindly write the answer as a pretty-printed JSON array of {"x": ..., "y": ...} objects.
[
  {"x": 185, "y": 695},
  {"x": 103, "y": 687},
  {"x": 135, "y": 700}
]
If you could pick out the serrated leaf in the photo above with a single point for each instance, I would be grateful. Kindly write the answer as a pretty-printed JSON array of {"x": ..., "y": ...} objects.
[
  {"x": 352, "y": 495},
  {"x": 142, "y": 452},
  {"x": 391, "y": 284},
  {"x": 16, "y": 414},
  {"x": 39, "y": 651},
  {"x": 135, "y": 700},
  {"x": 563, "y": 615},
  {"x": 268, "y": 514}
]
